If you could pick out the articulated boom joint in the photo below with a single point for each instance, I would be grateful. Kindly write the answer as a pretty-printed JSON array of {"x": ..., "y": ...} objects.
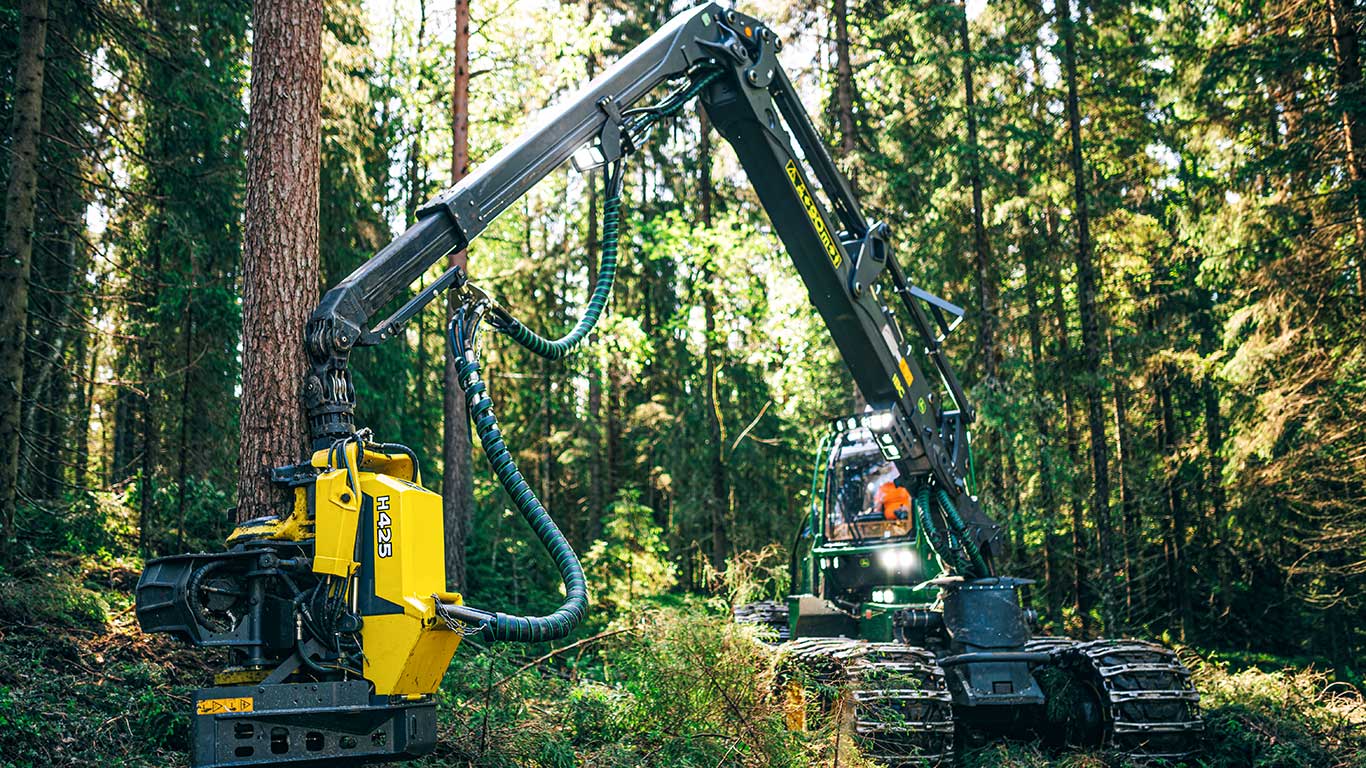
[{"x": 328, "y": 393}]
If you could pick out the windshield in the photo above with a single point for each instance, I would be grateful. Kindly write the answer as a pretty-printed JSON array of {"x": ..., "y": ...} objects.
[{"x": 863, "y": 500}]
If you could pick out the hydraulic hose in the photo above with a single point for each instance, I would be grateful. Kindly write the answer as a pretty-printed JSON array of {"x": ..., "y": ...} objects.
[
  {"x": 639, "y": 122},
  {"x": 502, "y": 626},
  {"x": 938, "y": 542},
  {"x": 556, "y": 349},
  {"x": 961, "y": 528},
  {"x": 463, "y": 332}
]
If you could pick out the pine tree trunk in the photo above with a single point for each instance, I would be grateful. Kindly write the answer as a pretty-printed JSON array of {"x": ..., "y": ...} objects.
[
  {"x": 457, "y": 481},
  {"x": 597, "y": 473},
  {"x": 1128, "y": 504},
  {"x": 844, "y": 80},
  {"x": 596, "y": 433},
  {"x": 16, "y": 260},
  {"x": 1089, "y": 312},
  {"x": 986, "y": 287},
  {"x": 1177, "y": 567},
  {"x": 1052, "y": 572},
  {"x": 1345, "y": 20},
  {"x": 280, "y": 244},
  {"x": 1081, "y": 594},
  {"x": 720, "y": 496}
]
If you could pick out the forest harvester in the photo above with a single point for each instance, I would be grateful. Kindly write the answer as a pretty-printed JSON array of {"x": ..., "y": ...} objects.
[{"x": 335, "y": 615}]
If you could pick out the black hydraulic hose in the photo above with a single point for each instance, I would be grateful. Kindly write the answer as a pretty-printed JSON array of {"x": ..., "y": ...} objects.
[
  {"x": 556, "y": 349},
  {"x": 502, "y": 626}
]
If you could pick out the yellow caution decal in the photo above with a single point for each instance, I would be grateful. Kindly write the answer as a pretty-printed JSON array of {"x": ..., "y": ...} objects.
[
  {"x": 813, "y": 213},
  {"x": 222, "y": 706},
  {"x": 906, "y": 371}
]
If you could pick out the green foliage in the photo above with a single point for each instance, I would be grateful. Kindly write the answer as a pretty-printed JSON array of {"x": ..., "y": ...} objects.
[
  {"x": 755, "y": 575},
  {"x": 630, "y": 561},
  {"x": 1296, "y": 718},
  {"x": 42, "y": 594}
]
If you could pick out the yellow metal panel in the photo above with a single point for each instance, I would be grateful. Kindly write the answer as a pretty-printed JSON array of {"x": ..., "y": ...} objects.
[
  {"x": 406, "y": 653},
  {"x": 335, "y": 521},
  {"x": 410, "y": 543}
]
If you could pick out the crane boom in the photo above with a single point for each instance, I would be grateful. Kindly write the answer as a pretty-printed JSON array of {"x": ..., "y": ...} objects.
[{"x": 850, "y": 270}]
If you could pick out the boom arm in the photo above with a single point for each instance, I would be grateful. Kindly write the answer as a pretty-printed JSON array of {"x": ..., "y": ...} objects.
[{"x": 846, "y": 262}]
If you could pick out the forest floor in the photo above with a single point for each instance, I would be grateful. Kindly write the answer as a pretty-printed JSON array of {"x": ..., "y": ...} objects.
[{"x": 674, "y": 684}]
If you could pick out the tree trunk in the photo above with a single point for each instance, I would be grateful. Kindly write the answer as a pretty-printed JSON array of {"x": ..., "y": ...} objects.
[
  {"x": 457, "y": 481},
  {"x": 1214, "y": 469},
  {"x": 597, "y": 453},
  {"x": 1081, "y": 593},
  {"x": 986, "y": 287},
  {"x": 597, "y": 473},
  {"x": 182, "y": 467},
  {"x": 720, "y": 497},
  {"x": 280, "y": 244},
  {"x": 1128, "y": 527},
  {"x": 844, "y": 80},
  {"x": 16, "y": 260},
  {"x": 1177, "y": 568},
  {"x": 1087, "y": 281},
  {"x": 1052, "y": 573},
  {"x": 1345, "y": 19}
]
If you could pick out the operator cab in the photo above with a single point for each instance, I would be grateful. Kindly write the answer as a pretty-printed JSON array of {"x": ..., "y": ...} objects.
[
  {"x": 869, "y": 549},
  {"x": 865, "y": 501}
]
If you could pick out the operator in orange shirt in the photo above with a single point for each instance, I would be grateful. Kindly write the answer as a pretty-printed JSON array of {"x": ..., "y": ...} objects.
[{"x": 893, "y": 500}]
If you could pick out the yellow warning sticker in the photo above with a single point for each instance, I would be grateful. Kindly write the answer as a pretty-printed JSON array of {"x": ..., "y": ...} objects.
[
  {"x": 813, "y": 213},
  {"x": 221, "y": 706},
  {"x": 906, "y": 371}
]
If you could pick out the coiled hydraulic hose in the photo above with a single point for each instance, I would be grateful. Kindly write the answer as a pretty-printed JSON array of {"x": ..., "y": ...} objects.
[
  {"x": 961, "y": 528},
  {"x": 557, "y": 349},
  {"x": 501, "y": 626},
  {"x": 638, "y": 123},
  {"x": 463, "y": 333}
]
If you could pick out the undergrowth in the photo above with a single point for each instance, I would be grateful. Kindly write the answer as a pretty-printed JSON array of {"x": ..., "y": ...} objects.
[{"x": 671, "y": 684}]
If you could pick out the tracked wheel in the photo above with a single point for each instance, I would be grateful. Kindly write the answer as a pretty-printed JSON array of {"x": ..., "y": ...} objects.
[
  {"x": 1137, "y": 698},
  {"x": 767, "y": 613},
  {"x": 891, "y": 697}
]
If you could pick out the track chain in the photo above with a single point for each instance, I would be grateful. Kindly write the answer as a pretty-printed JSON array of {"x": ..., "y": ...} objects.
[
  {"x": 901, "y": 711},
  {"x": 768, "y": 613},
  {"x": 1150, "y": 705}
]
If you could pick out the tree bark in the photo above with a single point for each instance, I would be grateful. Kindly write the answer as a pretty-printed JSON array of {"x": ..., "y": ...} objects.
[
  {"x": 597, "y": 452},
  {"x": 1128, "y": 527},
  {"x": 280, "y": 244},
  {"x": 16, "y": 260},
  {"x": 844, "y": 80},
  {"x": 1081, "y": 595},
  {"x": 986, "y": 287},
  {"x": 1087, "y": 280},
  {"x": 1177, "y": 567},
  {"x": 720, "y": 496},
  {"x": 457, "y": 481},
  {"x": 1052, "y": 572},
  {"x": 1345, "y": 19}
]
